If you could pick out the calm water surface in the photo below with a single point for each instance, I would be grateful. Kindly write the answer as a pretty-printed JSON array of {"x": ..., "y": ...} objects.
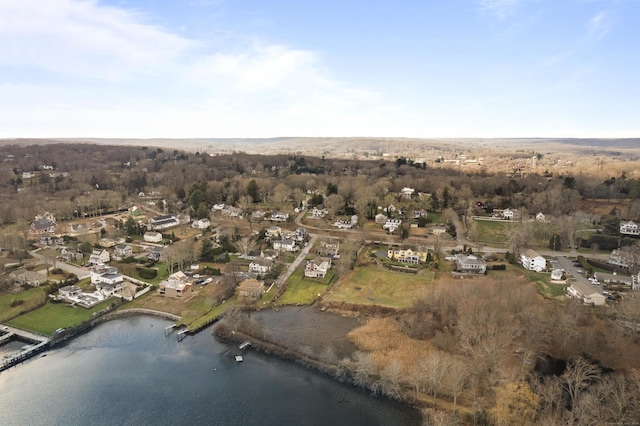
[{"x": 126, "y": 372}]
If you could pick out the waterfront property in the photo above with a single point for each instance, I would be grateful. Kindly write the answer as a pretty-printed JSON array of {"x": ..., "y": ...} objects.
[
  {"x": 408, "y": 254},
  {"x": 586, "y": 292}
]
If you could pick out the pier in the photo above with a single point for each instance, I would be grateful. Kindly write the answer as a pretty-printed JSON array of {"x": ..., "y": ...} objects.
[{"x": 39, "y": 344}]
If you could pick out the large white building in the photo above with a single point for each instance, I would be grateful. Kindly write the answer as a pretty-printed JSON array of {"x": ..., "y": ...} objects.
[
  {"x": 532, "y": 261},
  {"x": 629, "y": 228}
]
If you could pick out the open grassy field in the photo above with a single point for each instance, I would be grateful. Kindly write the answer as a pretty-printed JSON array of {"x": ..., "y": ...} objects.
[
  {"x": 376, "y": 285},
  {"x": 304, "y": 291},
  {"x": 543, "y": 283},
  {"x": 491, "y": 231},
  {"x": 31, "y": 299},
  {"x": 52, "y": 316}
]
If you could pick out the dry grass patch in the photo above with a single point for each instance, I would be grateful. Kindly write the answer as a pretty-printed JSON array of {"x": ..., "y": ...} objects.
[{"x": 385, "y": 341}]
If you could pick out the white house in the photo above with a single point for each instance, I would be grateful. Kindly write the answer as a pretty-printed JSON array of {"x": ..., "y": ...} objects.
[
  {"x": 407, "y": 192},
  {"x": 381, "y": 218},
  {"x": 319, "y": 212},
  {"x": 629, "y": 228},
  {"x": 123, "y": 250},
  {"x": 621, "y": 258},
  {"x": 152, "y": 237},
  {"x": 317, "y": 268},
  {"x": 392, "y": 224},
  {"x": 99, "y": 256},
  {"x": 532, "y": 261},
  {"x": 556, "y": 274},
  {"x": 201, "y": 223},
  {"x": 279, "y": 217},
  {"x": 163, "y": 222},
  {"x": 260, "y": 266},
  {"x": 107, "y": 279},
  {"x": 285, "y": 245},
  {"x": 510, "y": 214},
  {"x": 540, "y": 217}
]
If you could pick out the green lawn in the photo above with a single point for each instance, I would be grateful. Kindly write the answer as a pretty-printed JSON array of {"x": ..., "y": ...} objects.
[
  {"x": 373, "y": 285},
  {"x": 491, "y": 231},
  {"x": 543, "y": 283},
  {"x": 301, "y": 290},
  {"x": 32, "y": 298},
  {"x": 194, "y": 323},
  {"x": 47, "y": 319}
]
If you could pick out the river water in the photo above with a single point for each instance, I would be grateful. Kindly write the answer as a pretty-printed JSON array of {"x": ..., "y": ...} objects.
[{"x": 126, "y": 372}]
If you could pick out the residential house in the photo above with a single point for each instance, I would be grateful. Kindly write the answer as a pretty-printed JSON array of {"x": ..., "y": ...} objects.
[
  {"x": 175, "y": 287},
  {"x": 152, "y": 237},
  {"x": 510, "y": 214},
  {"x": 629, "y": 228},
  {"x": 270, "y": 254},
  {"x": 343, "y": 224},
  {"x": 201, "y": 223},
  {"x": 285, "y": 245},
  {"x": 622, "y": 258},
  {"x": 439, "y": 229},
  {"x": 107, "y": 242},
  {"x": 135, "y": 211},
  {"x": 407, "y": 254},
  {"x": 249, "y": 290},
  {"x": 258, "y": 215},
  {"x": 613, "y": 278},
  {"x": 407, "y": 192},
  {"x": 155, "y": 254},
  {"x": 107, "y": 279},
  {"x": 329, "y": 248},
  {"x": 422, "y": 213},
  {"x": 28, "y": 175},
  {"x": 380, "y": 219},
  {"x": 279, "y": 217},
  {"x": 69, "y": 291},
  {"x": 540, "y": 217},
  {"x": 391, "y": 225},
  {"x": 218, "y": 207},
  {"x": 163, "y": 222},
  {"x": 42, "y": 225},
  {"x": 319, "y": 212},
  {"x": 557, "y": 274},
  {"x": 68, "y": 254},
  {"x": 30, "y": 278},
  {"x": 273, "y": 232},
  {"x": 532, "y": 261},
  {"x": 469, "y": 264},
  {"x": 586, "y": 292},
  {"x": 122, "y": 250},
  {"x": 318, "y": 267},
  {"x": 99, "y": 256},
  {"x": 231, "y": 211},
  {"x": 260, "y": 266},
  {"x": 300, "y": 235}
]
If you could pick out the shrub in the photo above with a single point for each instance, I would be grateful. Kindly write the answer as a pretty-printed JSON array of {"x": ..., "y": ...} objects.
[
  {"x": 146, "y": 273},
  {"x": 16, "y": 302}
]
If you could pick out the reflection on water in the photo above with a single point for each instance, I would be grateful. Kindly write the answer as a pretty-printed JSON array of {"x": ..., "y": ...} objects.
[{"x": 127, "y": 372}]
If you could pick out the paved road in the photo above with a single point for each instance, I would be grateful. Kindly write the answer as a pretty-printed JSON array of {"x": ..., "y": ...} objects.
[
  {"x": 80, "y": 272},
  {"x": 303, "y": 253}
]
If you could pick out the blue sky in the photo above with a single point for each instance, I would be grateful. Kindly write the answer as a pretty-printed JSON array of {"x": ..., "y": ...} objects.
[{"x": 249, "y": 68}]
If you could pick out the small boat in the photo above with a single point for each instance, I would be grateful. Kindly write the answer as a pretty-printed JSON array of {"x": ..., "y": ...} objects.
[
  {"x": 238, "y": 358},
  {"x": 43, "y": 355}
]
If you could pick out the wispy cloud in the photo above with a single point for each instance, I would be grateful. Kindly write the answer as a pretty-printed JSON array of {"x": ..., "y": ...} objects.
[
  {"x": 599, "y": 25},
  {"x": 498, "y": 8},
  {"x": 106, "y": 65}
]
